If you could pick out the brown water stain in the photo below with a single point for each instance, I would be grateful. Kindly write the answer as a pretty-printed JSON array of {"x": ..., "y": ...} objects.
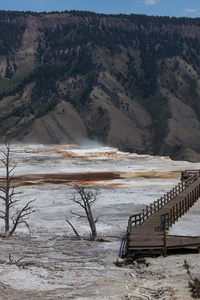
[
  {"x": 36, "y": 179},
  {"x": 110, "y": 155},
  {"x": 100, "y": 183},
  {"x": 153, "y": 175},
  {"x": 58, "y": 149},
  {"x": 93, "y": 178}
]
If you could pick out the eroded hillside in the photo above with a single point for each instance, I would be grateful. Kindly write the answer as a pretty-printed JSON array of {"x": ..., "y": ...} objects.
[{"x": 126, "y": 81}]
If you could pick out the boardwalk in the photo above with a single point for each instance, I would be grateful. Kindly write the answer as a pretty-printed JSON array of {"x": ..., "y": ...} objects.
[{"x": 147, "y": 232}]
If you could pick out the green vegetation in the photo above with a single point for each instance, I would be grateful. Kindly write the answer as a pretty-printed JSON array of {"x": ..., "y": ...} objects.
[
  {"x": 66, "y": 50},
  {"x": 83, "y": 57}
]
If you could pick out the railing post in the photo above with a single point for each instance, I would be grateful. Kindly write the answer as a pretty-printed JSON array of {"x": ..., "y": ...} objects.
[
  {"x": 170, "y": 217},
  {"x": 165, "y": 243},
  {"x": 192, "y": 202},
  {"x": 176, "y": 211},
  {"x": 154, "y": 207},
  {"x": 185, "y": 208}
]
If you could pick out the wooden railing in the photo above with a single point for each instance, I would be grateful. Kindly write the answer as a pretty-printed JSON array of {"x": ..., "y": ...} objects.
[
  {"x": 184, "y": 205},
  {"x": 188, "y": 173},
  {"x": 138, "y": 219},
  {"x": 178, "y": 210}
]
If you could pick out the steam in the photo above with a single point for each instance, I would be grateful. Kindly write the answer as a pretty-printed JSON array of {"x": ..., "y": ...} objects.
[{"x": 90, "y": 144}]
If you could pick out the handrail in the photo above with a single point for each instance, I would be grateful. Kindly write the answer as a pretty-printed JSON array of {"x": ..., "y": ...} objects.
[
  {"x": 178, "y": 210},
  {"x": 138, "y": 219},
  {"x": 184, "y": 205},
  {"x": 190, "y": 172}
]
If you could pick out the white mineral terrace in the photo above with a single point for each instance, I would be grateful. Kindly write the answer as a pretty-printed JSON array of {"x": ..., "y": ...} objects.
[{"x": 63, "y": 268}]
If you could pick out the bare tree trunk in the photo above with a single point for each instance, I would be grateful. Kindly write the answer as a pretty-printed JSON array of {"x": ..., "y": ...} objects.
[
  {"x": 86, "y": 199},
  {"x": 7, "y": 194},
  {"x": 92, "y": 223}
]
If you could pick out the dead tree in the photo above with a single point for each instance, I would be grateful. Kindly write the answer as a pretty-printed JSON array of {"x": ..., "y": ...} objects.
[
  {"x": 85, "y": 198},
  {"x": 7, "y": 195}
]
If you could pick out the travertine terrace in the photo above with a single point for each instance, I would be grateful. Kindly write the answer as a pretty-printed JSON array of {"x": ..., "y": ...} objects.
[{"x": 54, "y": 264}]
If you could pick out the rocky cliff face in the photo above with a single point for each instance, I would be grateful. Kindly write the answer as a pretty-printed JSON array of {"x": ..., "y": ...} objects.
[{"x": 126, "y": 81}]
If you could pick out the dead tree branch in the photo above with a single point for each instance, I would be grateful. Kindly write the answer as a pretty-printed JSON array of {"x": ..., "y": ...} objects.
[
  {"x": 76, "y": 233},
  {"x": 15, "y": 262}
]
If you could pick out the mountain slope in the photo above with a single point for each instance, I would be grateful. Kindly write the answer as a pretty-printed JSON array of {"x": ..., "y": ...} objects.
[{"x": 126, "y": 81}]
